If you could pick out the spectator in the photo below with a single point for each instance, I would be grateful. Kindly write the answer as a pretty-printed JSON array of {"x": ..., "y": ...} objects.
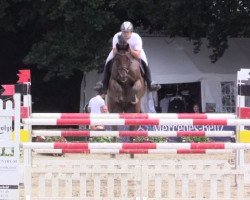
[
  {"x": 104, "y": 109},
  {"x": 95, "y": 103},
  {"x": 196, "y": 108},
  {"x": 95, "y": 106}
]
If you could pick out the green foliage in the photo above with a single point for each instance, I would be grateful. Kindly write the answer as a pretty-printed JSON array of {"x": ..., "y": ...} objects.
[
  {"x": 195, "y": 139},
  {"x": 77, "y": 40},
  {"x": 215, "y": 20},
  {"x": 101, "y": 139},
  {"x": 62, "y": 36}
]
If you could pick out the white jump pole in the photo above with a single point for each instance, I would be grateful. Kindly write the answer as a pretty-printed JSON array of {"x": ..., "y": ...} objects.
[
  {"x": 76, "y": 133},
  {"x": 194, "y": 122},
  {"x": 134, "y": 115}
]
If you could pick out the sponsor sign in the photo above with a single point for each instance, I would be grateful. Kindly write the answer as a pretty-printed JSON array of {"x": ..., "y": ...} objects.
[
  {"x": 9, "y": 170},
  {"x": 5, "y": 128}
]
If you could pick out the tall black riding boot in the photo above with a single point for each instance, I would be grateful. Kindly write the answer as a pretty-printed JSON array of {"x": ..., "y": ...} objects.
[
  {"x": 103, "y": 85},
  {"x": 147, "y": 77},
  {"x": 147, "y": 74},
  {"x": 106, "y": 75}
]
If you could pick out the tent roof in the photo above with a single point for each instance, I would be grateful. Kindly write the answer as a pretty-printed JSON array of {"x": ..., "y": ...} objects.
[{"x": 173, "y": 60}]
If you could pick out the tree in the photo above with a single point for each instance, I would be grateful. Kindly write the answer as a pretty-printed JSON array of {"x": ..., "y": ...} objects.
[
  {"x": 74, "y": 35},
  {"x": 63, "y": 37},
  {"x": 67, "y": 37},
  {"x": 216, "y": 20}
]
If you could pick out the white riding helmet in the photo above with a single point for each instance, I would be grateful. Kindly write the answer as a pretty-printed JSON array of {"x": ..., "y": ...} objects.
[{"x": 127, "y": 26}]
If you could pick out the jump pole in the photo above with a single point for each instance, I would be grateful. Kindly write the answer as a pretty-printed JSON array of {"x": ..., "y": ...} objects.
[
  {"x": 135, "y": 151},
  {"x": 134, "y": 115},
  {"x": 131, "y": 122},
  {"x": 77, "y": 133},
  {"x": 89, "y": 146}
]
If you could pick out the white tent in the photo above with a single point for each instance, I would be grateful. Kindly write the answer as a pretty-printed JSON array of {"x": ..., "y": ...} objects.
[{"x": 173, "y": 61}]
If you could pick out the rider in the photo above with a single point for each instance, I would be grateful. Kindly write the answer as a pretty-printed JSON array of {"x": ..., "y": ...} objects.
[{"x": 135, "y": 44}]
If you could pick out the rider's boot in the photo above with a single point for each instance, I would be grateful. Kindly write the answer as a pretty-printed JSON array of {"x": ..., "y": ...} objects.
[
  {"x": 103, "y": 85},
  {"x": 147, "y": 76}
]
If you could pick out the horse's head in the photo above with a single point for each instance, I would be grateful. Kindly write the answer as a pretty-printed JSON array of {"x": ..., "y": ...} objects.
[
  {"x": 122, "y": 45},
  {"x": 122, "y": 59}
]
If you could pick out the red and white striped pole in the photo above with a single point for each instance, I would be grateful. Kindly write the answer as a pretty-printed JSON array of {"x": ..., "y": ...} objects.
[
  {"x": 135, "y": 151},
  {"x": 223, "y": 122},
  {"x": 120, "y": 146},
  {"x": 77, "y": 133},
  {"x": 134, "y": 115}
]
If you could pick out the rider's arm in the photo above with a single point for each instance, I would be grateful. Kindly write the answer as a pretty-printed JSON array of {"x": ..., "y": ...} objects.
[
  {"x": 135, "y": 53},
  {"x": 114, "y": 51},
  {"x": 136, "y": 47},
  {"x": 114, "y": 42}
]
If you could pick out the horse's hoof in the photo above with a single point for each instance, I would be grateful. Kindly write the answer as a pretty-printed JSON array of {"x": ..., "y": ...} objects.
[{"x": 134, "y": 100}]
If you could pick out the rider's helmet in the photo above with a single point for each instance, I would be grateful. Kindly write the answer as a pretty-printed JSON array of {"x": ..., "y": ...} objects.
[{"x": 127, "y": 26}]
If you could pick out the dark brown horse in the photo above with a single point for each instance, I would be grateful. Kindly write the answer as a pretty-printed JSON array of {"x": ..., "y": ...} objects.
[{"x": 126, "y": 85}]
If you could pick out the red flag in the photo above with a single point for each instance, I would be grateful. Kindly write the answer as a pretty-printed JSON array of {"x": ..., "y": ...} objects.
[
  {"x": 25, "y": 72},
  {"x": 24, "y": 76},
  {"x": 9, "y": 90}
]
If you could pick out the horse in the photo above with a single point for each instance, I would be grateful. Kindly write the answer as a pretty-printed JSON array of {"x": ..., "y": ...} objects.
[{"x": 126, "y": 85}]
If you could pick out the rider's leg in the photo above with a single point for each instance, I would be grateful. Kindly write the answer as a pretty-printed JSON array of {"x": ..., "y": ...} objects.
[
  {"x": 106, "y": 76},
  {"x": 147, "y": 77},
  {"x": 107, "y": 73}
]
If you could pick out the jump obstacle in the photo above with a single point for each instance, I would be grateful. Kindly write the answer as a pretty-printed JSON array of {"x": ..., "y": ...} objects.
[{"x": 135, "y": 179}]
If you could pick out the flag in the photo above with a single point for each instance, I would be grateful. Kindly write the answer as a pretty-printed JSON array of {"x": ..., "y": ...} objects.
[
  {"x": 24, "y": 76},
  {"x": 9, "y": 90}
]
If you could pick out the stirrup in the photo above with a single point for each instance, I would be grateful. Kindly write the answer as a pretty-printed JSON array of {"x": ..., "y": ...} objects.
[{"x": 154, "y": 87}]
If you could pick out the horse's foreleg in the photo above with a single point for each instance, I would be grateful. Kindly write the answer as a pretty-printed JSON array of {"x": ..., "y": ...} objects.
[
  {"x": 115, "y": 90},
  {"x": 135, "y": 91}
]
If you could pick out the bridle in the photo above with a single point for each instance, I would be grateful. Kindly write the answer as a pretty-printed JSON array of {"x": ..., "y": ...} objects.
[{"x": 123, "y": 69}]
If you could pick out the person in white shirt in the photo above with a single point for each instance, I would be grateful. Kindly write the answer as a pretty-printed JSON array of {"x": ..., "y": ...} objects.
[
  {"x": 136, "y": 50},
  {"x": 96, "y": 103}
]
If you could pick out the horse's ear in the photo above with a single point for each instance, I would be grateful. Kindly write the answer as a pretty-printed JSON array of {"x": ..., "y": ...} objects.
[{"x": 119, "y": 47}]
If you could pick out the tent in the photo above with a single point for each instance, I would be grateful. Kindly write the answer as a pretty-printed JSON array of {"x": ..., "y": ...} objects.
[{"x": 172, "y": 60}]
